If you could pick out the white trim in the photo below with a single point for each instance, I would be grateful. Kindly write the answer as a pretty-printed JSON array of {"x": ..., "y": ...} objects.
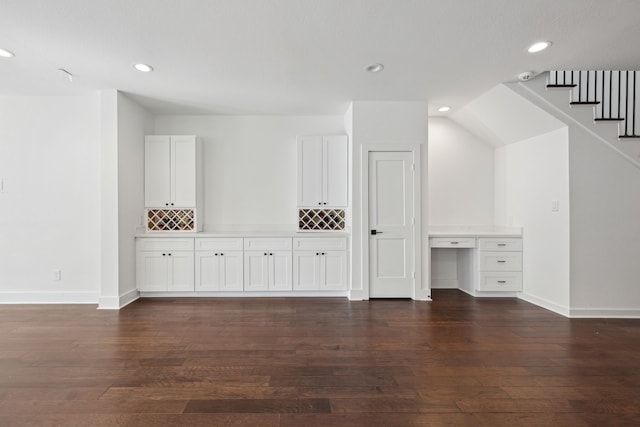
[
  {"x": 116, "y": 303},
  {"x": 444, "y": 283},
  {"x": 616, "y": 313},
  {"x": 241, "y": 294},
  {"x": 48, "y": 298},
  {"x": 415, "y": 149},
  {"x": 544, "y": 303},
  {"x": 489, "y": 294}
]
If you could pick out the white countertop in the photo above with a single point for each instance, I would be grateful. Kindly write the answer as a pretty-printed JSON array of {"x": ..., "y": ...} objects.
[
  {"x": 244, "y": 233},
  {"x": 473, "y": 231}
]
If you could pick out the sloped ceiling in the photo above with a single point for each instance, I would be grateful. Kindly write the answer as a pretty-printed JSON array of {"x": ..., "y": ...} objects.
[{"x": 501, "y": 116}]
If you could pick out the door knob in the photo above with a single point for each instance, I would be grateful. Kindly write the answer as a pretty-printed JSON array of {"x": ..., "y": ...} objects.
[{"x": 374, "y": 232}]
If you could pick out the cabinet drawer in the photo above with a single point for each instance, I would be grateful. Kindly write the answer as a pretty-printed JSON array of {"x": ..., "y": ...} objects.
[
  {"x": 497, "y": 281},
  {"x": 218, "y": 244},
  {"x": 267, "y": 243},
  {"x": 452, "y": 242},
  {"x": 164, "y": 244},
  {"x": 486, "y": 244},
  {"x": 500, "y": 261},
  {"x": 320, "y": 243}
]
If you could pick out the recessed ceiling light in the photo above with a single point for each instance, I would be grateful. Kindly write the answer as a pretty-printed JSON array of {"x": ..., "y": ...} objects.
[
  {"x": 444, "y": 109},
  {"x": 538, "y": 47},
  {"x": 374, "y": 68},
  {"x": 6, "y": 54},
  {"x": 145, "y": 68}
]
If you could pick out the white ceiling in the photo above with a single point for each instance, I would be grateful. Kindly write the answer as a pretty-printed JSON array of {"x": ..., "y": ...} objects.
[{"x": 303, "y": 56}]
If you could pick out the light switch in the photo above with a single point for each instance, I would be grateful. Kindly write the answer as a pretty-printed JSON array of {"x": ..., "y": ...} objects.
[{"x": 555, "y": 205}]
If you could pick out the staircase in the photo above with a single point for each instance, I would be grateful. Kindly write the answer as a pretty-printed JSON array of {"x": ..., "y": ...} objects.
[{"x": 612, "y": 94}]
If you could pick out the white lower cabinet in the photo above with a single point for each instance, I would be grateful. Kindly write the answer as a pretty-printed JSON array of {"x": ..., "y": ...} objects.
[
  {"x": 236, "y": 264},
  {"x": 219, "y": 264},
  {"x": 267, "y": 271},
  {"x": 499, "y": 264},
  {"x": 321, "y": 264},
  {"x": 165, "y": 265},
  {"x": 267, "y": 264}
]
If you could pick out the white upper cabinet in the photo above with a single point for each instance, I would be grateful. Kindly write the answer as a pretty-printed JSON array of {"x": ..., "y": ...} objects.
[
  {"x": 322, "y": 171},
  {"x": 171, "y": 171}
]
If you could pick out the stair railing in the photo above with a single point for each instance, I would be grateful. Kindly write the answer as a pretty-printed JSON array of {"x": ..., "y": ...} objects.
[{"x": 612, "y": 93}]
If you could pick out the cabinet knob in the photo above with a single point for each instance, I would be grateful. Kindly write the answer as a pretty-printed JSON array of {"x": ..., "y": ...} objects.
[
  {"x": 166, "y": 204},
  {"x": 324, "y": 203},
  {"x": 171, "y": 204},
  {"x": 271, "y": 254},
  {"x": 322, "y": 253},
  {"x": 501, "y": 261},
  {"x": 164, "y": 254},
  {"x": 169, "y": 254},
  {"x": 221, "y": 254},
  {"x": 319, "y": 203},
  {"x": 317, "y": 253},
  {"x": 215, "y": 254},
  {"x": 265, "y": 253}
]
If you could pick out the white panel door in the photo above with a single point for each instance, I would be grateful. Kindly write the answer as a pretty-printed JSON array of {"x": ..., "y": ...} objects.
[
  {"x": 157, "y": 171},
  {"x": 310, "y": 171},
  {"x": 280, "y": 271},
  {"x": 334, "y": 170},
  {"x": 183, "y": 169},
  {"x": 231, "y": 271},
  {"x": 391, "y": 218},
  {"x": 306, "y": 270},
  {"x": 153, "y": 271},
  {"x": 207, "y": 271},
  {"x": 181, "y": 271},
  {"x": 333, "y": 270},
  {"x": 256, "y": 271}
]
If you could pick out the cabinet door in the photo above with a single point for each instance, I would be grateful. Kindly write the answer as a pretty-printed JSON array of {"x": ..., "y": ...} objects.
[
  {"x": 306, "y": 270},
  {"x": 333, "y": 270},
  {"x": 207, "y": 271},
  {"x": 334, "y": 170},
  {"x": 231, "y": 271},
  {"x": 256, "y": 271},
  {"x": 310, "y": 171},
  {"x": 157, "y": 171},
  {"x": 183, "y": 171},
  {"x": 152, "y": 271},
  {"x": 181, "y": 271},
  {"x": 280, "y": 270}
]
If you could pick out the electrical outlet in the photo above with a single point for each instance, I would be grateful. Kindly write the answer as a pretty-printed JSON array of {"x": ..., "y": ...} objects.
[{"x": 57, "y": 275}]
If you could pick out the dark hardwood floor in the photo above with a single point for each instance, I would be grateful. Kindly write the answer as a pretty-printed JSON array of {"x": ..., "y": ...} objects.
[{"x": 305, "y": 362}]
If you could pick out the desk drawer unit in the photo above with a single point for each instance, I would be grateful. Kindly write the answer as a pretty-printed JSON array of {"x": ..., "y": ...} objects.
[
  {"x": 499, "y": 264},
  {"x": 452, "y": 242}
]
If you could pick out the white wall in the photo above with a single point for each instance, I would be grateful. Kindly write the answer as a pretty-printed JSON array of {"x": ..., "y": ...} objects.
[
  {"x": 250, "y": 165},
  {"x": 605, "y": 229},
  {"x": 460, "y": 189},
  {"x": 530, "y": 174},
  {"x": 50, "y": 202},
  {"x": 460, "y": 176},
  {"x": 386, "y": 123},
  {"x": 134, "y": 122}
]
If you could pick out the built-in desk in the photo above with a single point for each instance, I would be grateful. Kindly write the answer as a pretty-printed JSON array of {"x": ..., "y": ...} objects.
[{"x": 488, "y": 260}]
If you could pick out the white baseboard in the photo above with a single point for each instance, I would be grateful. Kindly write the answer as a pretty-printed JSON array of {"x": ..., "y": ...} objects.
[
  {"x": 357, "y": 295},
  {"x": 617, "y": 313},
  {"x": 48, "y": 298},
  {"x": 444, "y": 283},
  {"x": 116, "y": 303},
  {"x": 544, "y": 303},
  {"x": 487, "y": 294},
  {"x": 240, "y": 294}
]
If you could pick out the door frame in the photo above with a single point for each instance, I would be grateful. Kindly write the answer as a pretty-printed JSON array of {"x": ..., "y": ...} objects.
[{"x": 415, "y": 149}]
